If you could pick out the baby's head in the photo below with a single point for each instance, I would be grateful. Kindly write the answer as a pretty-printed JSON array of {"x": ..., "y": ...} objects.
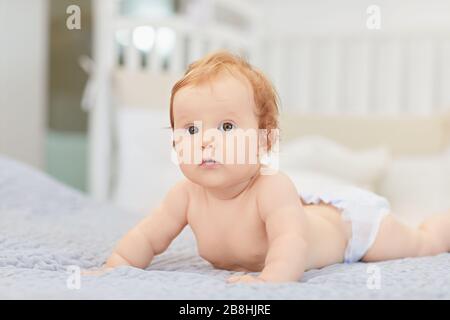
[{"x": 224, "y": 115}]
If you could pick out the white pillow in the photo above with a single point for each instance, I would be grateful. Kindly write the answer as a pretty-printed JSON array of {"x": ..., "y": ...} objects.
[
  {"x": 418, "y": 186},
  {"x": 145, "y": 171},
  {"x": 321, "y": 155}
]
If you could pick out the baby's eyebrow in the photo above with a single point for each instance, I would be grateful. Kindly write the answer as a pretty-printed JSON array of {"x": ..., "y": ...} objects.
[
  {"x": 232, "y": 113},
  {"x": 182, "y": 118},
  {"x": 187, "y": 118}
]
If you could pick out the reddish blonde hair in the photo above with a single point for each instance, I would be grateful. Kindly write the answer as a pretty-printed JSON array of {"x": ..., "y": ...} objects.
[{"x": 265, "y": 96}]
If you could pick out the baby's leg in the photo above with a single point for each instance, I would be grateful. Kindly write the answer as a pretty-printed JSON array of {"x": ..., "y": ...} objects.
[{"x": 396, "y": 240}]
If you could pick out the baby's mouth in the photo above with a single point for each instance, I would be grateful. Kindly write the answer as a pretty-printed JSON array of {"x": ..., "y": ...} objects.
[{"x": 209, "y": 163}]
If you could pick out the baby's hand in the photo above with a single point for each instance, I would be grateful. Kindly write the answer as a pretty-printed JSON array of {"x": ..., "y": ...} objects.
[
  {"x": 96, "y": 271},
  {"x": 246, "y": 278}
]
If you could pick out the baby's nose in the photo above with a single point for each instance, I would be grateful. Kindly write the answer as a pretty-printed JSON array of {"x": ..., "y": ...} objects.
[
  {"x": 208, "y": 139},
  {"x": 207, "y": 143}
]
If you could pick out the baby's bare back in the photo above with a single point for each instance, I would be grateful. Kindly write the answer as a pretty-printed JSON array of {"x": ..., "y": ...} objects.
[{"x": 231, "y": 235}]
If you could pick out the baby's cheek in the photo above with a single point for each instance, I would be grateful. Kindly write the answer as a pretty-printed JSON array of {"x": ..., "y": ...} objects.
[
  {"x": 244, "y": 153},
  {"x": 188, "y": 154},
  {"x": 187, "y": 170}
]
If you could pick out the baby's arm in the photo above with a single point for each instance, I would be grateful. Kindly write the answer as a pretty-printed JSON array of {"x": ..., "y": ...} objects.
[
  {"x": 154, "y": 233},
  {"x": 286, "y": 226}
]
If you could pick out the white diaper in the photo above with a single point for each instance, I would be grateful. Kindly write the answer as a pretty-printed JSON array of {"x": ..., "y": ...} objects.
[{"x": 362, "y": 208}]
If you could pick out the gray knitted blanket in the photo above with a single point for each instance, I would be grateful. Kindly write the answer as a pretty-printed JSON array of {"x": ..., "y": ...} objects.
[{"x": 49, "y": 232}]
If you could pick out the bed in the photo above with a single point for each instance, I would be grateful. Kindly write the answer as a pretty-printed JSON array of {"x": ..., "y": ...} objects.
[{"x": 47, "y": 228}]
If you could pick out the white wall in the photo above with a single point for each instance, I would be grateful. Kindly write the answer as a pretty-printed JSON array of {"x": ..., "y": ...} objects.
[{"x": 23, "y": 80}]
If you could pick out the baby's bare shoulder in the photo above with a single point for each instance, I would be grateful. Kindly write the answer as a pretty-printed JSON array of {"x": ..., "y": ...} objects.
[
  {"x": 275, "y": 192},
  {"x": 276, "y": 181},
  {"x": 179, "y": 187},
  {"x": 276, "y": 187},
  {"x": 179, "y": 192}
]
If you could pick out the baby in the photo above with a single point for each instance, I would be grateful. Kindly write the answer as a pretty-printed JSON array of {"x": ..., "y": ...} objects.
[{"x": 245, "y": 219}]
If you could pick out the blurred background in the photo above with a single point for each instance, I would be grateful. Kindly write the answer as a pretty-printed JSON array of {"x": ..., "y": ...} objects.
[{"x": 84, "y": 85}]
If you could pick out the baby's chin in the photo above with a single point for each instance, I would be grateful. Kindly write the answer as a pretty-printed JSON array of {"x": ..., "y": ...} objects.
[
  {"x": 211, "y": 184},
  {"x": 208, "y": 178},
  {"x": 222, "y": 177}
]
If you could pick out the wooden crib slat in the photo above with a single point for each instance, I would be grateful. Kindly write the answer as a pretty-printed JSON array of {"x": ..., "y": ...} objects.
[
  {"x": 132, "y": 56},
  {"x": 176, "y": 60},
  {"x": 420, "y": 77},
  {"x": 195, "y": 50},
  {"x": 302, "y": 75},
  {"x": 444, "y": 77}
]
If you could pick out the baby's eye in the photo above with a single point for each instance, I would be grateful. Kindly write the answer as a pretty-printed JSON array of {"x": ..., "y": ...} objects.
[
  {"x": 192, "y": 129},
  {"x": 227, "y": 126}
]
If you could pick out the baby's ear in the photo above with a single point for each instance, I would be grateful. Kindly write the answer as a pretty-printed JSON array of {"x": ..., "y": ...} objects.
[
  {"x": 176, "y": 137},
  {"x": 268, "y": 140},
  {"x": 263, "y": 142}
]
